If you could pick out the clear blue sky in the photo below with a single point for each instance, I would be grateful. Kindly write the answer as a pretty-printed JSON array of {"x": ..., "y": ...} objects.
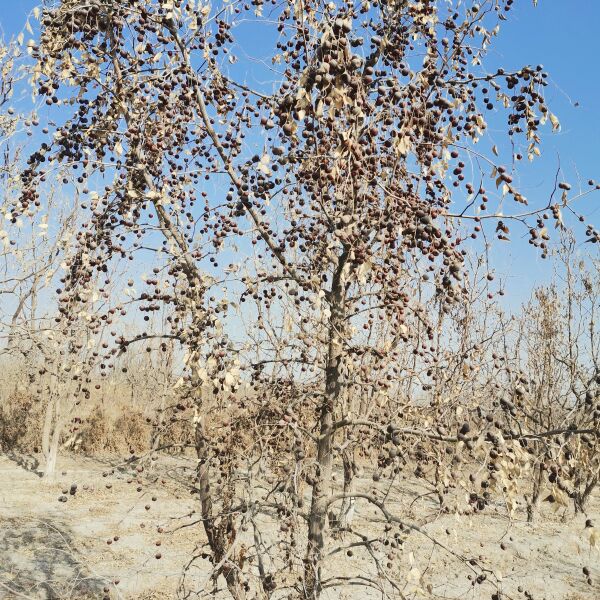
[{"x": 563, "y": 36}]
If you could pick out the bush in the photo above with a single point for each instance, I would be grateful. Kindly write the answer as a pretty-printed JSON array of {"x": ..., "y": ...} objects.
[
  {"x": 21, "y": 420},
  {"x": 102, "y": 435}
]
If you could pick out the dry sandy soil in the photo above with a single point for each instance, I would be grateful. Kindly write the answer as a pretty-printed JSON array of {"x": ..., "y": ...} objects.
[{"x": 108, "y": 530}]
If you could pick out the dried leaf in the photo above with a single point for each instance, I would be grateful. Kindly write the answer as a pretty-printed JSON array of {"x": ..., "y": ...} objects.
[{"x": 263, "y": 165}]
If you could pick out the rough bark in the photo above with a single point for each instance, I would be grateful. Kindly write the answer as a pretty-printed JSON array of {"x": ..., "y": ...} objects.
[
  {"x": 220, "y": 536},
  {"x": 581, "y": 498},
  {"x": 51, "y": 437},
  {"x": 534, "y": 502},
  {"x": 346, "y": 514},
  {"x": 322, "y": 481}
]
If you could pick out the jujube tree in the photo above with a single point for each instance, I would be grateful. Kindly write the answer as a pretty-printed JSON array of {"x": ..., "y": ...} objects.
[{"x": 342, "y": 197}]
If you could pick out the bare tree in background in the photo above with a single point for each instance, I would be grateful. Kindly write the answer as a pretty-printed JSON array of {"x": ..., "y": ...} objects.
[{"x": 552, "y": 366}]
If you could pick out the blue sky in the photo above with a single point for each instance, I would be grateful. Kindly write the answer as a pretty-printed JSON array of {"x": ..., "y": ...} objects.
[{"x": 562, "y": 36}]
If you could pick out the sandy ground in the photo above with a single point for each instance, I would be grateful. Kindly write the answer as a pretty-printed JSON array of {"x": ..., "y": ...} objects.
[{"x": 102, "y": 542}]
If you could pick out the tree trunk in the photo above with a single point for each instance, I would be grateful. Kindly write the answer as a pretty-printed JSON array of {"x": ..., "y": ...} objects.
[
  {"x": 50, "y": 466},
  {"x": 47, "y": 428},
  {"x": 346, "y": 514},
  {"x": 322, "y": 481},
  {"x": 580, "y": 499},
  {"x": 51, "y": 438},
  {"x": 533, "y": 504},
  {"x": 219, "y": 539}
]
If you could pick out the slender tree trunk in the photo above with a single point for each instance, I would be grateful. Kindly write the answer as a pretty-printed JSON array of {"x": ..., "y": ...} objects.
[
  {"x": 581, "y": 498},
  {"x": 533, "y": 504},
  {"x": 50, "y": 466},
  {"x": 322, "y": 481},
  {"x": 346, "y": 514},
  {"x": 51, "y": 437},
  {"x": 47, "y": 428},
  {"x": 218, "y": 536}
]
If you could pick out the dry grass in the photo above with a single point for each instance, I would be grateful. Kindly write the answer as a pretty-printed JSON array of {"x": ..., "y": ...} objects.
[
  {"x": 112, "y": 429},
  {"x": 21, "y": 419},
  {"x": 101, "y": 433}
]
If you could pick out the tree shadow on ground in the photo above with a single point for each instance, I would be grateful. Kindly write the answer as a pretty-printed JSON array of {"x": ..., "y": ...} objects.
[
  {"x": 37, "y": 560},
  {"x": 25, "y": 461}
]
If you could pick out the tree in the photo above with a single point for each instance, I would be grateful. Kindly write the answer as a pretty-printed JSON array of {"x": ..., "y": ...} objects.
[
  {"x": 344, "y": 178},
  {"x": 552, "y": 366}
]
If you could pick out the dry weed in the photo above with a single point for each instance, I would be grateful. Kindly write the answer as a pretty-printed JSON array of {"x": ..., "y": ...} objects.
[{"x": 20, "y": 422}]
